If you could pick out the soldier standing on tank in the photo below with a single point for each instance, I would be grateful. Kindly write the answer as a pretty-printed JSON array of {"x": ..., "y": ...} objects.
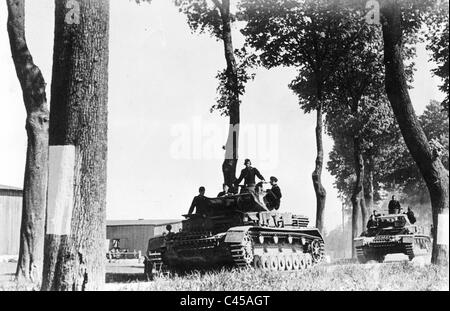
[
  {"x": 248, "y": 175},
  {"x": 273, "y": 195},
  {"x": 197, "y": 202},
  {"x": 394, "y": 206}
]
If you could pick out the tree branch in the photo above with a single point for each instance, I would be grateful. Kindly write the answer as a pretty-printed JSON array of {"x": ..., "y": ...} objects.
[
  {"x": 29, "y": 75},
  {"x": 218, "y": 4}
]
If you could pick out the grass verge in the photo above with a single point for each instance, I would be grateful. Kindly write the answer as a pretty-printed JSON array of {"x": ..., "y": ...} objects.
[{"x": 350, "y": 277}]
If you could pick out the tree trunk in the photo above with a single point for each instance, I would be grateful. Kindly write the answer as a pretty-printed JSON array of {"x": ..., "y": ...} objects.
[
  {"x": 355, "y": 223},
  {"x": 317, "y": 173},
  {"x": 358, "y": 193},
  {"x": 364, "y": 211},
  {"x": 430, "y": 166},
  {"x": 29, "y": 267},
  {"x": 231, "y": 153},
  {"x": 74, "y": 254},
  {"x": 369, "y": 195}
]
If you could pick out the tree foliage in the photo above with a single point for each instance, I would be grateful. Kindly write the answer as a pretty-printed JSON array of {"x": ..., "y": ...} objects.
[
  {"x": 394, "y": 167},
  {"x": 245, "y": 63},
  {"x": 206, "y": 16},
  {"x": 313, "y": 36},
  {"x": 437, "y": 36}
]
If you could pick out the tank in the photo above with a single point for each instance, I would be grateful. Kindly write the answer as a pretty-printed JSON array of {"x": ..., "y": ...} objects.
[
  {"x": 391, "y": 234},
  {"x": 236, "y": 231}
]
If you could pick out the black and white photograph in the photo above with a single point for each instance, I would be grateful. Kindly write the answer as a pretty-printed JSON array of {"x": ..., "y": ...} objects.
[{"x": 224, "y": 151}]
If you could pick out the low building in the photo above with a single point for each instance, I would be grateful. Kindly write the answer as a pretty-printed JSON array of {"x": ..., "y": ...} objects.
[
  {"x": 10, "y": 218},
  {"x": 126, "y": 234},
  {"x": 133, "y": 235}
]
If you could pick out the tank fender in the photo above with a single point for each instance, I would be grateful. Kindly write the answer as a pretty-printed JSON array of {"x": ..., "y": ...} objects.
[
  {"x": 156, "y": 243},
  {"x": 407, "y": 239},
  {"x": 236, "y": 234}
]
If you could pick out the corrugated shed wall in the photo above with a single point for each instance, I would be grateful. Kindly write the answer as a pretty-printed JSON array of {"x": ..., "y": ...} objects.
[
  {"x": 131, "y": 237},
  {"x": 135, "y": 237},
  {"x": 10, "y": 217}
]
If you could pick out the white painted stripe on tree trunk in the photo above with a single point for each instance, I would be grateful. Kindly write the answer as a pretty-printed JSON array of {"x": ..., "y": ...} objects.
[
  {"x": 231, "y": 149},
  {"x": 442, "y": 234},
  {"x": 60, "y": 189}
]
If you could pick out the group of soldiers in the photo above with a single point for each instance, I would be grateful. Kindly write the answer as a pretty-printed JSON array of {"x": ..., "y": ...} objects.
[
  {"x": 270, "y": 199},
  {"x": 394, "y": 207}
]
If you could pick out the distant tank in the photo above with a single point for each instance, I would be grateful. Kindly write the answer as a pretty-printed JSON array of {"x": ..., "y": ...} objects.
[
  {"x": 236, "y": 231},
  {"x": 392, "y": 234}
]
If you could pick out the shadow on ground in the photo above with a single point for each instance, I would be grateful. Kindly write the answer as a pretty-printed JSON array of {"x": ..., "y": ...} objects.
[{"x": 112, "y": 277}]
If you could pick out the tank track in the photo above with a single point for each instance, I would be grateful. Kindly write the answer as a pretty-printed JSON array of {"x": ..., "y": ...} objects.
[
  {"x": 409, "y": 248},
  {"x": 279, "y": 256},
  {"x": 154, "y": 265},
  {"x": 360, "y": 255},
  {"x": 362, "y": 258},
  {"x": 420, "y": 246}
]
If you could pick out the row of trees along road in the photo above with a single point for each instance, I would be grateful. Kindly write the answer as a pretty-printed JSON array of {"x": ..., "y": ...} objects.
[
  {"x": 327, "y": 41},
  {"x": 331, "y": 45},
  {"x": 70, "y": 255},
  {"x": 389, "y": 165},
  {"x": 316, "y": 38}
]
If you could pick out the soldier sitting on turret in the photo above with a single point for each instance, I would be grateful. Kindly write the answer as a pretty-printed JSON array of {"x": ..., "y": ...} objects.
[
  {"x": 197, "y": 202},
  {"x": 273, "y": 195}
]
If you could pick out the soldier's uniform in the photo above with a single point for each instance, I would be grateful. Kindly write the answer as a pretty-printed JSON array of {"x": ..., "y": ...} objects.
[
  {"x": 248, "y": 175},
  {"x": 394, "y": 207},
  {"x": 273, "y": 196},
  {"x": 198, "y": 203}
]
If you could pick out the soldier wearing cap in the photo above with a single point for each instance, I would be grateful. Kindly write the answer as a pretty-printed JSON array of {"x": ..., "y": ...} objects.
[
  {"x": 248, "y": 175},
  {"x": 273, "y": 195}
]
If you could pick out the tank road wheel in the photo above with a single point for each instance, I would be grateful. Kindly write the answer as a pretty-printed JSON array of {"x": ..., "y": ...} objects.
[
  {"x": 289, "y": 264},
  {"x": 273, "y": 261},
  {"x": 302, "y": 260},
  {"x": 281, "y": 262},
  {"x": 296, "y": 263},
  {"x": 265, "y": 265},
  {"x": 316, "y": 251},
  {"x": 257, "y": 262},
  {"x": 308, "y": 260}
]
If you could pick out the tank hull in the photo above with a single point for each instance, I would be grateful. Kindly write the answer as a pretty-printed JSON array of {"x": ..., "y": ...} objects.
[
  {"x": 243, "y": 246},
  {"x": 409, "y": 245}
]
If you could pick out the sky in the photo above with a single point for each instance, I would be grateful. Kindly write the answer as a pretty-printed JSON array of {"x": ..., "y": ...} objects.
[{"x": 163, "y": 142}]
